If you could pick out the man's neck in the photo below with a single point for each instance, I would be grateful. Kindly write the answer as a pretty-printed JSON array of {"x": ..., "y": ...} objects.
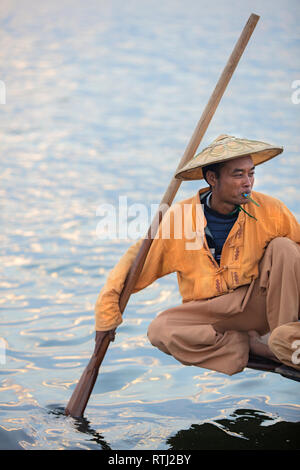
[{"x": 220, "y": 206}]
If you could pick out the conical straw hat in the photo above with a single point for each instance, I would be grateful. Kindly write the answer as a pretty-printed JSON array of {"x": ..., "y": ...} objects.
[{"x": 224, "y": 148}]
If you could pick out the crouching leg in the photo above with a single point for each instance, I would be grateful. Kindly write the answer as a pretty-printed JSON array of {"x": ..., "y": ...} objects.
[
  {"x": 284, "y": 342},
  {"x": 192, "y": 343}
]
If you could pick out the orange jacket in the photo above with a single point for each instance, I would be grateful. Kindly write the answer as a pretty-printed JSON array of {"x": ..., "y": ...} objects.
[{"x": 181, "y": 247}]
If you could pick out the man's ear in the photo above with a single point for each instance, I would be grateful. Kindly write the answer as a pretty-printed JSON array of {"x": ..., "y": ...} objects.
[{"x": 211, "y": 178}]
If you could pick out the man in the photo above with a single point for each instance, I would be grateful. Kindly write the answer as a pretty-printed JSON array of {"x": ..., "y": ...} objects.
[{"x": 239, "y": 276}]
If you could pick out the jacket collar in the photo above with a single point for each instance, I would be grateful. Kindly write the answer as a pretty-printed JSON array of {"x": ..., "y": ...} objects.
[{"x": 198, "y": 214}]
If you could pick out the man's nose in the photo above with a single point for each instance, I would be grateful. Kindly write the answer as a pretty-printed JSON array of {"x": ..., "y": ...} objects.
[{"x": 247, "y": 182}]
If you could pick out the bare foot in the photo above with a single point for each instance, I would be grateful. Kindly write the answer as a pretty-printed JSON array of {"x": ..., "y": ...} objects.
[{"x": 259, "y": 347}]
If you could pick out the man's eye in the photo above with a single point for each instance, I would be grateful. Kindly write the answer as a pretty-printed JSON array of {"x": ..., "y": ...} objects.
[{"x": 240, "y": 175}]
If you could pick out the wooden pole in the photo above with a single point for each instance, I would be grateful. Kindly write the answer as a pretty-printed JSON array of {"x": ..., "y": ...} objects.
[{"x": 83, "y": 390}]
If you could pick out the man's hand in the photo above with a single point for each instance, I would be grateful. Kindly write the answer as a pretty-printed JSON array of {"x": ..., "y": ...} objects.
[
  {"x": 100, "y": 335},
  {"x": 259, "y": 347}
]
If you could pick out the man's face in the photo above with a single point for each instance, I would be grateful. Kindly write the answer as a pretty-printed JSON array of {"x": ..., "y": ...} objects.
[{"x": 236, "y": 177}]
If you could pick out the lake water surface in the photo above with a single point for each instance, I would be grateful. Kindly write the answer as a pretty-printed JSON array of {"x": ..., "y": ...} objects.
[{"x": 101, "y": 100}]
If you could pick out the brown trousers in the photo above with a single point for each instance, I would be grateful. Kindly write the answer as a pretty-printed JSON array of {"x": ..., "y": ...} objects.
[{"x": 213, "y": 333}]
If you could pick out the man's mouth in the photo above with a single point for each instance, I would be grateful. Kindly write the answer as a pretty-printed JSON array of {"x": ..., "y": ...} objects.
[
  {"x": 249, "y": 198},
  {"x": 244, "y": 197}
]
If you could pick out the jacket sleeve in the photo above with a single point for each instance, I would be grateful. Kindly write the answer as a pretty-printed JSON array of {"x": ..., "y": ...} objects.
[
  {"x": 289, "y": 226},
  {"x": 158, "y": 263}
]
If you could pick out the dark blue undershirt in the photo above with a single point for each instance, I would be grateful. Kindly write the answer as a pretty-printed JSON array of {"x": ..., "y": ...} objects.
[{"x": 219, "y": 226}]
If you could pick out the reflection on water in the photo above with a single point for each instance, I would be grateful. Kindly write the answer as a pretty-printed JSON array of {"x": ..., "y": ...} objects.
[
  {"x": 101, "y": 100},
  {"x": 12, "y": 439},
  {"x": 243, "y": 430},
  {"x": 82, "y": 425}
]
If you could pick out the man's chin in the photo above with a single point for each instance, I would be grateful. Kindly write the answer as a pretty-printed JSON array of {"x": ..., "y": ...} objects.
[{"x": 243, "y": 200}]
